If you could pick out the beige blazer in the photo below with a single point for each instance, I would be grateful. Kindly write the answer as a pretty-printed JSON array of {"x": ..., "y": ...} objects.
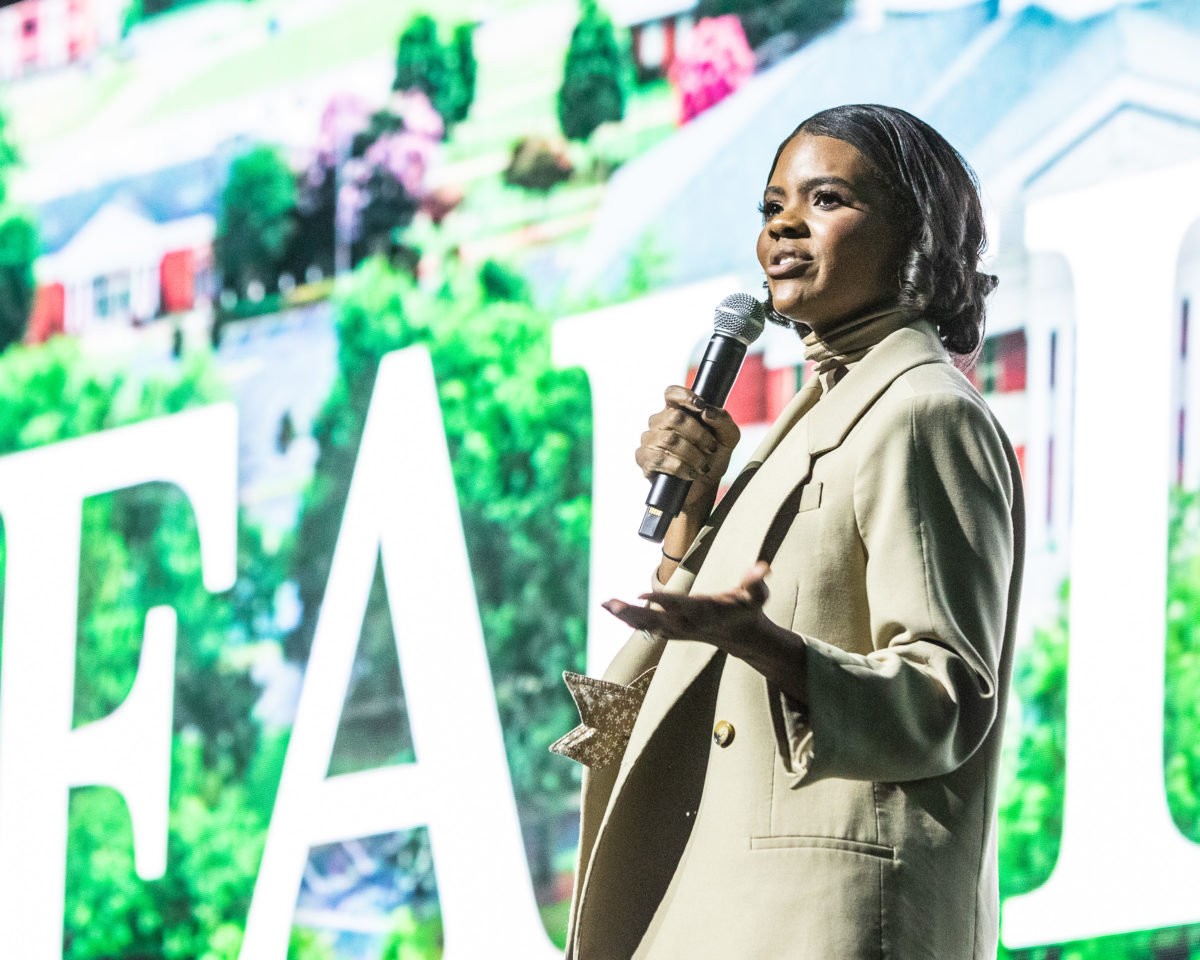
[{"x": 864, "y": 826}]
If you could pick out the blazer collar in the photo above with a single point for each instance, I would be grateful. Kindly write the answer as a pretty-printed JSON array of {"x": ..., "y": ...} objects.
[{"x": 838, "y": 411}]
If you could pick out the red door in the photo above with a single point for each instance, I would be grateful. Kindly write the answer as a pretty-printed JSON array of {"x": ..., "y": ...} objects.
[
  {"x": 46, "y": 318},
  {"x": 177, "y": 275}
]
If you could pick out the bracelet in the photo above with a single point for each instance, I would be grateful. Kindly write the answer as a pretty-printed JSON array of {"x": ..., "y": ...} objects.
[{"x": 671, "y": 558}]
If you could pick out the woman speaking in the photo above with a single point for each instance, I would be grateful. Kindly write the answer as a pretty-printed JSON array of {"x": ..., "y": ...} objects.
[{"x": 824, "y": 659}]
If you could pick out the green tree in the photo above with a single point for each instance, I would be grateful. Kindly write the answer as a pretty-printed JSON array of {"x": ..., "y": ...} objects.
[
  {"x": 1181, "y": 747},
  {"x": 1031, "y": 793},
  {"x": 443, "y": 70},
  {"x": 134, "y": 14},
  {"x": 18, "y": 250},
  {"x": 412, "y": 937},
  {"x": 463, "y": 43},
  {"x": 593, "y": 86},
  {"x": 257, "y": 218}
]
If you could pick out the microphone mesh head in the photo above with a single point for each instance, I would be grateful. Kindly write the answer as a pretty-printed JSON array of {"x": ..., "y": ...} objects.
[{"x": 740, "y": 316}]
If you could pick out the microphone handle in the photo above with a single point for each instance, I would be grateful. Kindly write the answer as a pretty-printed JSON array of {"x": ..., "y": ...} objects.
[{"x": 714, "y": 379}]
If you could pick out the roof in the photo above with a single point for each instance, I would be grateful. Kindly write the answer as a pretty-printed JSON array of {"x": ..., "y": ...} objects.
[
  {"x": 172, "y": 193},
  {"x": 628, "y": 13}
]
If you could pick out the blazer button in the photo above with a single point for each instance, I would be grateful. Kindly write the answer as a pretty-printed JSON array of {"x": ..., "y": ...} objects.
[{"x": 723, "y": 733}]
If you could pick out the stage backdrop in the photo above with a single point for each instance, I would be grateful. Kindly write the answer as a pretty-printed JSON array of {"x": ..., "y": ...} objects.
[{"x": 328, "y": 328}]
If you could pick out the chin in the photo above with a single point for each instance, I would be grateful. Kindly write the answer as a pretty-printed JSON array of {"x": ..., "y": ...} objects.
[{"x": 784, "y": 320}]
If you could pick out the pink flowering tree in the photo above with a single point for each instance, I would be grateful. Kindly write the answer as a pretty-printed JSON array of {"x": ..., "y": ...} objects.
[
  {"x": 369, "y": 171},
  {"x": 712, "y": 62},
  {"x": 387, "y": 182}
]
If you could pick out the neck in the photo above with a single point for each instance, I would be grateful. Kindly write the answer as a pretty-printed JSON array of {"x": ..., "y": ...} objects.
[{"x": 837, "y": 350}]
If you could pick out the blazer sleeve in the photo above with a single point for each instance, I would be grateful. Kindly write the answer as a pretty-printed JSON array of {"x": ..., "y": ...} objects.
[{"x": 933, "y": 502}]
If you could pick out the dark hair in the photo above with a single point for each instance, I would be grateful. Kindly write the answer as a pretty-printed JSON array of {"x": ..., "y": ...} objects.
[{"x": 936, "y": 199}]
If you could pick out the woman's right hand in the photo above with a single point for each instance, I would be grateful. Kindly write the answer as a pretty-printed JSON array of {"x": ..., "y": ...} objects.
[{"x": 694, "y": 440}]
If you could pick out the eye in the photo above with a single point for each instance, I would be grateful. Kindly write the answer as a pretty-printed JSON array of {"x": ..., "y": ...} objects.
[
  {"x": 827, "y": 198},
  {"x": 769, "y": 209}
]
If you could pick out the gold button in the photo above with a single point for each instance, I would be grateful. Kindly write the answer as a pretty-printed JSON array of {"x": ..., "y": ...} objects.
[{"x": 723, "y": 733}]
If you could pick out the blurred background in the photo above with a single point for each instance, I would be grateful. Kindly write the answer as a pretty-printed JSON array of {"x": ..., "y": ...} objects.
[{"x": 247, "y": 204}]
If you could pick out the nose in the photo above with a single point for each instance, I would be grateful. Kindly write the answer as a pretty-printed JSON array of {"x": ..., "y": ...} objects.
[{"x": 788, "y": 223}]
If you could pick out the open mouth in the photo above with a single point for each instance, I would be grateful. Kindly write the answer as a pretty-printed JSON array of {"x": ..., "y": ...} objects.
[{"x": 786, "y": 263}]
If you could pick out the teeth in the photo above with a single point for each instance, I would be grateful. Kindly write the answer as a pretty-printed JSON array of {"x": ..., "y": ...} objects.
[{"x": 787, "y": 258}]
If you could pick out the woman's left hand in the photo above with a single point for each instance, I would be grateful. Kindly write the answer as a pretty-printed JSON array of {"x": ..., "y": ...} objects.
[{"x": 732, "y": 621}]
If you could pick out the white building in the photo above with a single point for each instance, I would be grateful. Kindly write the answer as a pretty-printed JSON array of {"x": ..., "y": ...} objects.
[
  {"x": 42, "y": 34},
  {"x": 107, "y": 285}
]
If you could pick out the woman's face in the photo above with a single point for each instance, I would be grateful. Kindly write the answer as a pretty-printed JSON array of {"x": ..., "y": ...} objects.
[{"x": 830, "y": 244}]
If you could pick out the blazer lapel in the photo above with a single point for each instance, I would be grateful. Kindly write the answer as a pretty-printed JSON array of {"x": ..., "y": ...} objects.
[{"x": 804, "y": 400}]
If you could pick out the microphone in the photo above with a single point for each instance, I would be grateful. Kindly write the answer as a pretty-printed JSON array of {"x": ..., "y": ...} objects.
[{"x": 737, "y": 322}]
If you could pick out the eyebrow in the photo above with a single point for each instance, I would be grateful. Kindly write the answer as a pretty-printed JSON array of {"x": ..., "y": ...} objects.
[{"x": 812, "y": 183}]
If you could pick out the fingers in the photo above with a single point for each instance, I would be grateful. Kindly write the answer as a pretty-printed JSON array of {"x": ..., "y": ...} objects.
[
  {"x": 671, "y": 602},
  {"x": 716, "y": 420},
  {"x": 681, "y": 421},
  {"x": 753, "y": 589},
  {"x": 681, "y": 621},
  {"x": 688, "y": 438},
  {"x": 640, "y": 618},
  {"x": 667, "y": 452},
  {"x": 721, "y": 424}
]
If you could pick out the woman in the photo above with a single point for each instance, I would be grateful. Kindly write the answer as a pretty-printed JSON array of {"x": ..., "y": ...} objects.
[{"x": 812, "y": 771}]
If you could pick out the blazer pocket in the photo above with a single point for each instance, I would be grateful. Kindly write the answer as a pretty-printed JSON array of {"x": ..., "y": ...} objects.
[
  {"x": 878, "y": 850},
  {"x": 810, "y": 497}
]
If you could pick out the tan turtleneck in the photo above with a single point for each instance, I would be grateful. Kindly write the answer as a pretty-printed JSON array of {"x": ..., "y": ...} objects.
[{"x": 837, "y": 353}]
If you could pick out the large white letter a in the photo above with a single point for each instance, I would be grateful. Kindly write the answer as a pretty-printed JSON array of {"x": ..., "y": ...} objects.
[{"x": 402, "y": 504}]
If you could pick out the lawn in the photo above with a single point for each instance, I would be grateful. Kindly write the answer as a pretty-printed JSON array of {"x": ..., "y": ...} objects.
[
  {"x": 517, "y": 93},
  {"x": 342, "y": 35},
  {"x": 59, "y": 103}
]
